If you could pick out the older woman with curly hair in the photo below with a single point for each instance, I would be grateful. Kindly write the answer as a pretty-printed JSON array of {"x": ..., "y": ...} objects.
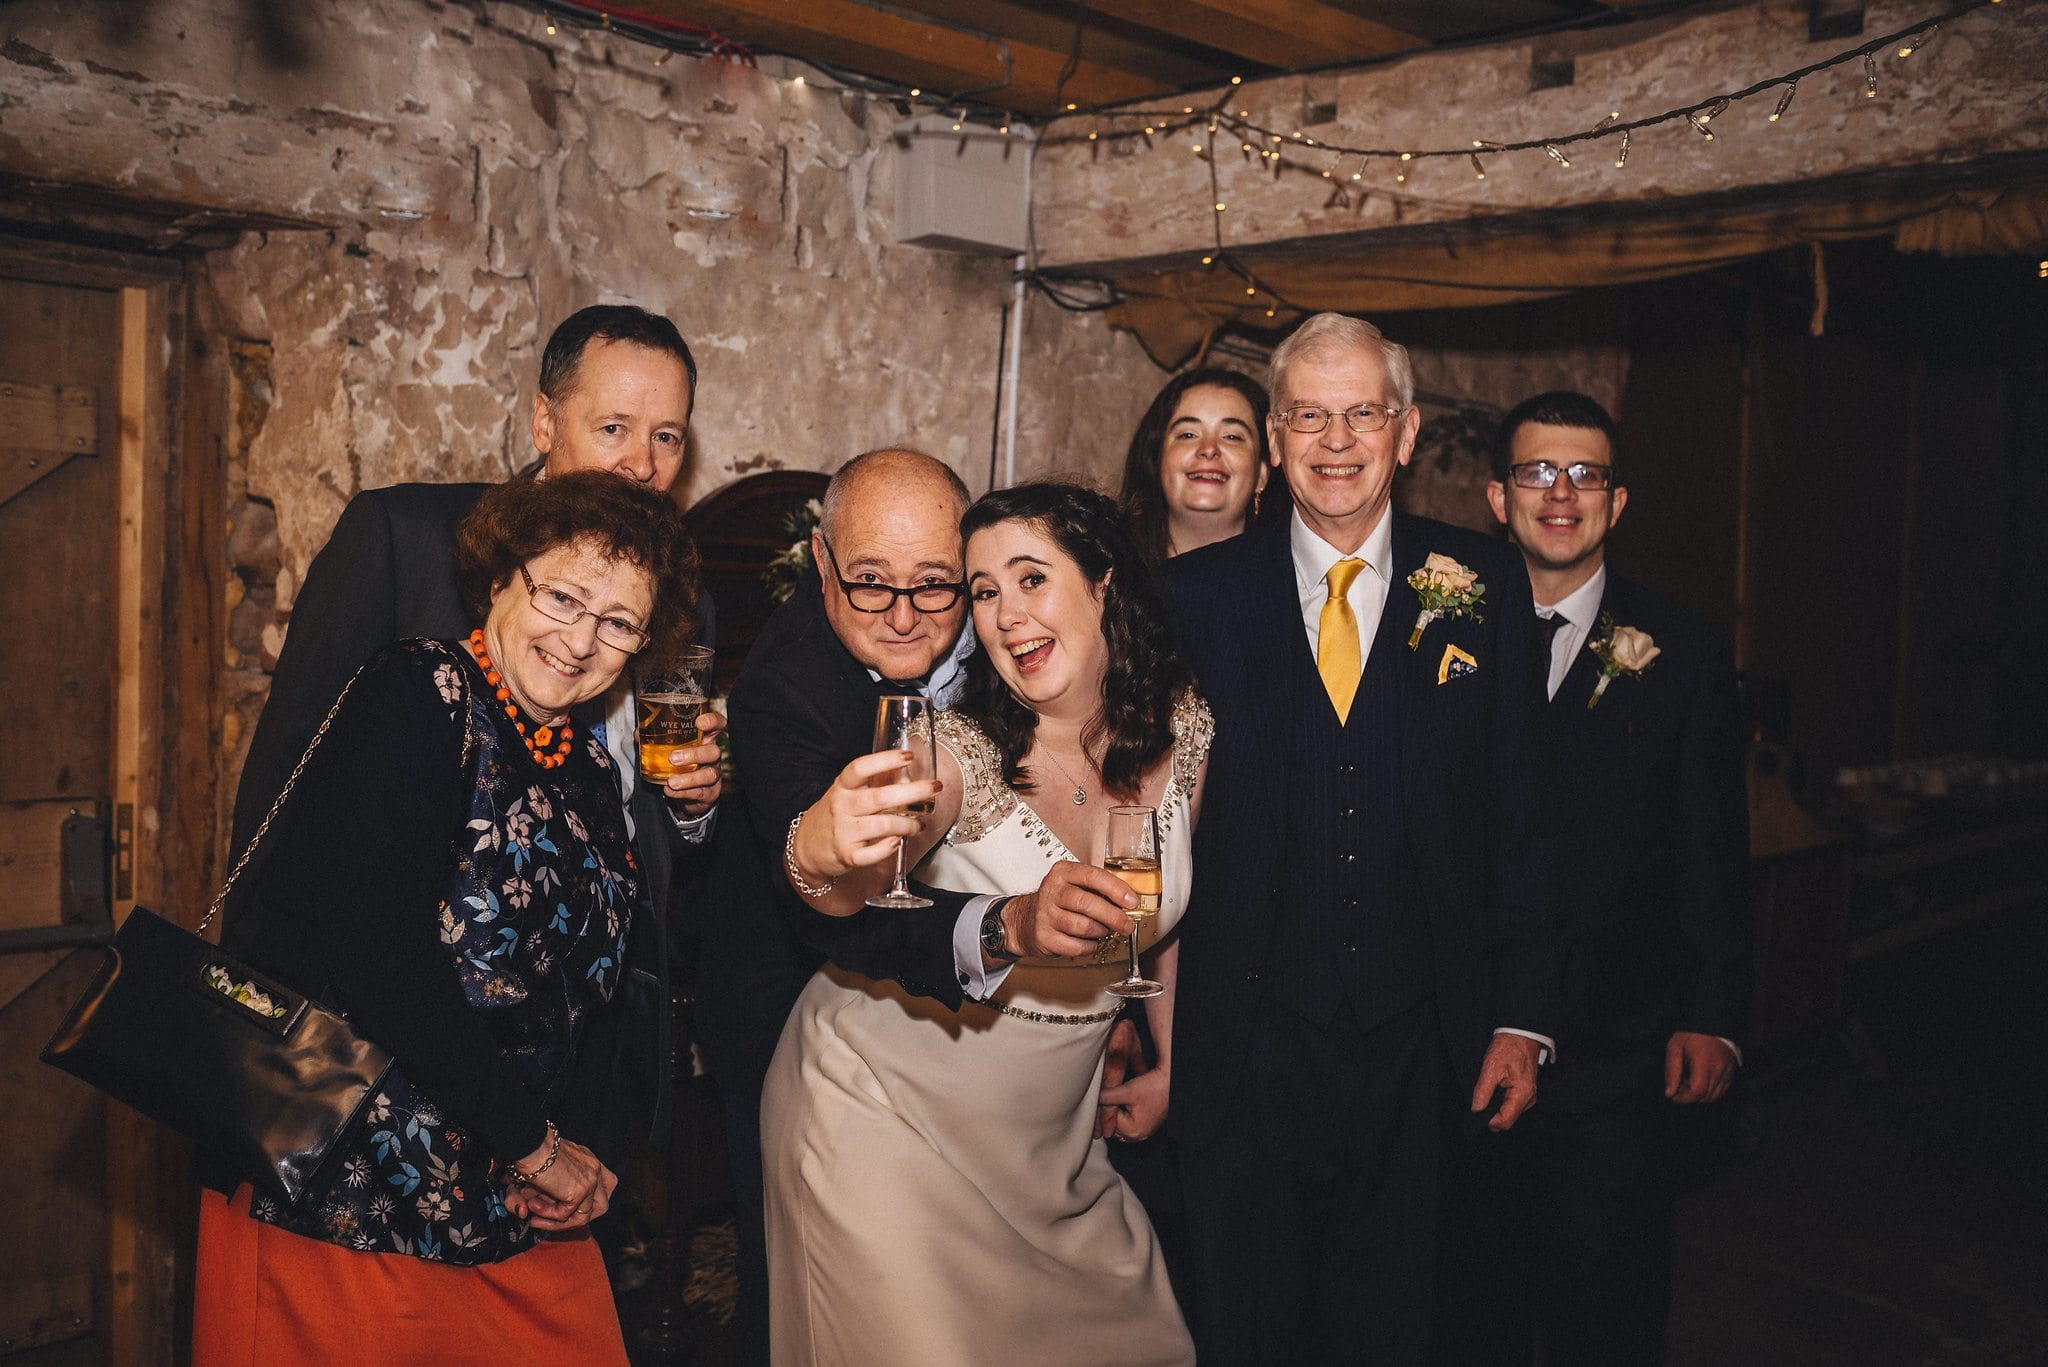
[{"x": 453, "y": 870}]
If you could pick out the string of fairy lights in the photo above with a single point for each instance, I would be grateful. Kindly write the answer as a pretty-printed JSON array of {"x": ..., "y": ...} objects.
[{"x": 1208, "y": 129}]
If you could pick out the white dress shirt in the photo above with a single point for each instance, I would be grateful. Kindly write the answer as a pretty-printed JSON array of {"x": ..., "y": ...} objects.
[
  {"x": 1580, "y": 607},
  {"x": 1313, "y": 557}
]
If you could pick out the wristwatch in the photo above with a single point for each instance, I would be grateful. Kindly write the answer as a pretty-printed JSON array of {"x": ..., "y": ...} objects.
[{"x": 993, "y": 942}]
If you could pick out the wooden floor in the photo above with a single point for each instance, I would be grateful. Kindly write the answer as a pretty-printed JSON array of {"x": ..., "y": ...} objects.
[{"x": 1880, "y": 1193}]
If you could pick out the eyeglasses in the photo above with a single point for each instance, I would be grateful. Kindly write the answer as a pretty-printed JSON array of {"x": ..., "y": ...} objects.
[
  {"x": 566, "y": 608},
  {"x": 866, "y": 597},
  {"x": 1541, "y": 474},
  {"x": 1308, "y": 418}
]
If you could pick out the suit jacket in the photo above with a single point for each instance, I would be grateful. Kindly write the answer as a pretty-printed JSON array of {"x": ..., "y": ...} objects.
[
  {"x": 1650, "y": 795},
  {"x": 387, "y": 573},
  {"x": 801, "y": 709},
  {"x": 1470, "y": 845}
]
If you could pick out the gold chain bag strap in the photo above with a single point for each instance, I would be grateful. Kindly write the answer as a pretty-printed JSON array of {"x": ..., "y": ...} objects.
[{"x": 264, "y": 1078}]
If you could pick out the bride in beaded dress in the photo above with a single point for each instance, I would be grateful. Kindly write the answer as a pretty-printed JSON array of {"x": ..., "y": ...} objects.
[{"x": 936, "y": 1193}]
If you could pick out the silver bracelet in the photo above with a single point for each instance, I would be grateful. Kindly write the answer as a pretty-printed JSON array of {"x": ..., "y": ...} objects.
[{"x": 796, "y": 877}]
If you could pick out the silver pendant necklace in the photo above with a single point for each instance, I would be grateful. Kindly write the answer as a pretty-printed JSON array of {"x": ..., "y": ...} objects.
[{"x": 1080, "y": 795}]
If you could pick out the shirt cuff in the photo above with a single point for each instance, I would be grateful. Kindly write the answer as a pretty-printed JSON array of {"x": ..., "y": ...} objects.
[
  {"x": 1733, "y": 1048},
  {"x": 694, "y": 829},
  {"x": 975, "y": 981},
  {"x": 1546, "y": 1054}
]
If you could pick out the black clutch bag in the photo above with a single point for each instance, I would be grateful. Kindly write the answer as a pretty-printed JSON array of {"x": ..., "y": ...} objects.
[{"x": 251, "y": 1071}]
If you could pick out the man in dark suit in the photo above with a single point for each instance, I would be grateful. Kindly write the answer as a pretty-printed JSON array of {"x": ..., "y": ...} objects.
[
  {"x": 802, "y": 709},
  {"x": 616, "y": 387},
  {"x": 1645, "y": 787},
  {"x": 1364, "y": 955}
]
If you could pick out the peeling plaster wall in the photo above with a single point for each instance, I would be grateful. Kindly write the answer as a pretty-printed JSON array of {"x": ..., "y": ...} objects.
[
  {"x": 467, "y": 181},
  {"x": 476, "y": 181},
  {"x": 470, "y": 182}
]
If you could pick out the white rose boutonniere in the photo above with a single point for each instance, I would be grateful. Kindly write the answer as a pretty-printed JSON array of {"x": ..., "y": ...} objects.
[
  {"x": 1622, "y": 650},
  {"x": 1447, "y": 589}
]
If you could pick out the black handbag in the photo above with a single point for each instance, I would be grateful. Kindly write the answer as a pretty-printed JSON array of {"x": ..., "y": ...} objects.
[{"x": 251, "y": 1071}]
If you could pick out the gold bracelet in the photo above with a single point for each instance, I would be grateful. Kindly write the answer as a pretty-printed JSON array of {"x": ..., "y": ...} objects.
[
  {"x": 520, "y": 1179},
  {"x": 796, "y": 877}
]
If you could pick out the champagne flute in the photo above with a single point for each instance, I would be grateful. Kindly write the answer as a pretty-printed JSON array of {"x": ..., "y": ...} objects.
[
  {"x": 904, "y": 722},
  {"x": 1131, "y": 852}
]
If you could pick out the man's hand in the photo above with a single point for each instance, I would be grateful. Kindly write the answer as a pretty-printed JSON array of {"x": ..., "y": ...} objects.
[
  {"x": 1120, "y": 1057},
  {"x": 1074, "y": 908},
  {"x": 1133, "y": 1100},
  {"x": 1509, "y": 1068},
  {"x": 855, "y": 826},
  {"x": 696, "y": 790},
  {"x": 1697, "y": 1068}
]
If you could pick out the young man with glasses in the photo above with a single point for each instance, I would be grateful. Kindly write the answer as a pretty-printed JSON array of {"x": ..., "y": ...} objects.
[{"x": 1646, "y": 778}]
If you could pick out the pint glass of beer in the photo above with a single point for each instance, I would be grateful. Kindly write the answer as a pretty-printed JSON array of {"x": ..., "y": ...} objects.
[{"x": 670, "y": 698}]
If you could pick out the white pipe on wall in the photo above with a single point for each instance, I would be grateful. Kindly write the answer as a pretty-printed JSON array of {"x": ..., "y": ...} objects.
[{"x": 1010, "y": 371}]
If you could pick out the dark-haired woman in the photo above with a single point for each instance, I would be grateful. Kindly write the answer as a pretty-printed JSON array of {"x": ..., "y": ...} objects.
[
  {"x": 452, "y": 869},
  {"x": 936, "y": 1192},
  {"x": 1197, "y": 468}
]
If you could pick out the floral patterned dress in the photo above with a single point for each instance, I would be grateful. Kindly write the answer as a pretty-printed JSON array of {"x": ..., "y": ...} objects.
[{"x": 477, "y": 978}]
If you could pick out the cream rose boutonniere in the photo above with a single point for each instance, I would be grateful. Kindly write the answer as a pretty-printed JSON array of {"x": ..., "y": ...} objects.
[
  {"x": 1447, "y": 589},
  {"x": 1622, "y": 650}
]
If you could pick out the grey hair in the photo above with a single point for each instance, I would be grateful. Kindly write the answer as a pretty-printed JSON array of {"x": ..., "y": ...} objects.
[
  {"x": 1327, "y": 332},
  {"x": 850, "y": 473}
]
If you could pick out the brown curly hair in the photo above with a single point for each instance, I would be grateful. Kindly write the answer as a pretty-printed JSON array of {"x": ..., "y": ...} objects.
[{"x": 522, "y": 518}]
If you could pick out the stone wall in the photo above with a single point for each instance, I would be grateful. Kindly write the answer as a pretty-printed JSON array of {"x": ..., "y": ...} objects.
[{"x": 455, "y": 181}]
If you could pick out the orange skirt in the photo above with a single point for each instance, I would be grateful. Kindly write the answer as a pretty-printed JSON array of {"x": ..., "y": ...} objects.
[{"x": 266, "y": 1297}]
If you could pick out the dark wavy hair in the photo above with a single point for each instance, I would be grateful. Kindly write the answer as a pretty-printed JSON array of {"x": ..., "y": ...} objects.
[
  {"x": 1558, "y": 408},
  {"x": 1134, "y": 726},
  {"x": 1143, "y": 499},
  {"x": 522, "y": 518}
]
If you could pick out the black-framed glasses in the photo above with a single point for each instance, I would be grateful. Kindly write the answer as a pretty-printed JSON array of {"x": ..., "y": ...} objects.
[
  {"x": 566, "y": 608},
  {"x": 1310, "y": 418},
  {"x": 863, "y": 597},
  {"x": 1541, "y": 474}
]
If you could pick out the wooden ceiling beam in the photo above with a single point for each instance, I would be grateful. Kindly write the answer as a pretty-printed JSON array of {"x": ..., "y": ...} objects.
[
  {"x": 1169, "y": 59},
  {"x": 1282, "y": 34},
  {"x": 855, "y": 37}
]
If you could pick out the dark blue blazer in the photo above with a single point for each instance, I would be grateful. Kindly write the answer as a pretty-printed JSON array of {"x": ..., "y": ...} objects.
[
  {"x": 1654, "y": 921},
  {"x": 1472, "y": 844}
]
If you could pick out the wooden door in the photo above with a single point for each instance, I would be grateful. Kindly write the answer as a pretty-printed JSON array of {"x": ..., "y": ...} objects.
[{"x": 59, "y": 485}]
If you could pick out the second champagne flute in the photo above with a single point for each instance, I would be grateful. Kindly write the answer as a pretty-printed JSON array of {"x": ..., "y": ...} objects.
[
  {"x": 1131, "y": 852},
  {"x": 904, "y": 722}
]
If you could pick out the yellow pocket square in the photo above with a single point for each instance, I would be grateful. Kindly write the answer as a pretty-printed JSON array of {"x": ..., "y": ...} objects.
[{"x": 1456, "y": 664}]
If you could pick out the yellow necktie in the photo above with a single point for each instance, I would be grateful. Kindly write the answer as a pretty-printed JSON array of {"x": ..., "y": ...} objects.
[{"x": 1337, "y": 658}]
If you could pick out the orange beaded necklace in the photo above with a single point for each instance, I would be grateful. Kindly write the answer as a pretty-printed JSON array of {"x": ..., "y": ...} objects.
[{"x": 542, "y": 737}]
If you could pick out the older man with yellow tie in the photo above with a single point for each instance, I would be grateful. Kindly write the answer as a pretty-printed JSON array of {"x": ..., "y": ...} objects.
[{"x": 1365, "y": 957}]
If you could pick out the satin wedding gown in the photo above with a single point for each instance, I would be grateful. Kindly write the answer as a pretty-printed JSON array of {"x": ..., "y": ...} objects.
[{"x": 935, "y": 1193}]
